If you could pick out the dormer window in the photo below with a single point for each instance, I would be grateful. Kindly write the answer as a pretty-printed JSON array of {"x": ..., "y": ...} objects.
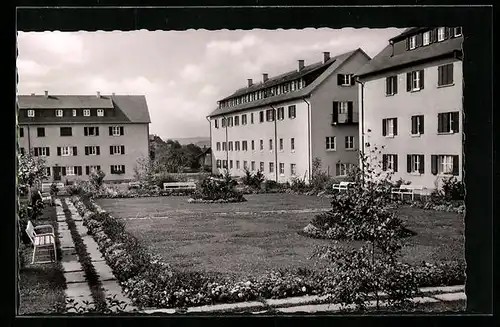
[
  {"x": 427, "y": 38},
  {"x": 59, "y": 113},
  {"x": 86, "y": 112},
  {"x": 74, "y": 112},
  {"x": 100, "y": 112},
  {"x": 441, "y": 34},
  {"x": 413, "y": 42},
  {"x": 31, "y": 113},
  {"x": 457, "y": 31}
]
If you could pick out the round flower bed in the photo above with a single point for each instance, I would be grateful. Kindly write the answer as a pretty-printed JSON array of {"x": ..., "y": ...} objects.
[{"x": 230, "y": 200}]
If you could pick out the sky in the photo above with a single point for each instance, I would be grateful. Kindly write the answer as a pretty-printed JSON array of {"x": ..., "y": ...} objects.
[{"x": 182, "y": 73}]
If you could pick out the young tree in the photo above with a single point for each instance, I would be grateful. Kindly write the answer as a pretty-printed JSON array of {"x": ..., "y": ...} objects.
[{"x": 30, "y": 169}]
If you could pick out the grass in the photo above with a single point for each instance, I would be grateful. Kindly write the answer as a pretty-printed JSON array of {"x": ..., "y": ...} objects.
[
  {"x": 41, "y": 286},
  {"x": 248, "y": 238}
]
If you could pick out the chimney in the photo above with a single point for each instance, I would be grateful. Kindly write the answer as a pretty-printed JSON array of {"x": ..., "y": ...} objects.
[
  {"x": 32, "y": 93},
  {"x": 301, "y": 64},
  {"x": 265, "y": 77},
  {"x": 326, "y": 56},
  {"x": 46, "y": 94},
  {"x": 250, "y": 82},
  {"x": 113, "y": 94},
  {"x": 98, "y": 94}
]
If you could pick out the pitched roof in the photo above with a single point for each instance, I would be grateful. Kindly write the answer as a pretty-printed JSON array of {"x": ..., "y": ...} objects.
[
  {"x": 384, "y": 61},
  {"x": 128, "y": 108},
  {"x": 332, "y": 65}
]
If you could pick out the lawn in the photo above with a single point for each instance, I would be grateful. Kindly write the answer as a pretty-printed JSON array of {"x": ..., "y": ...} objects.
[
  {"x": 41, "y": 286},
  {"x": 248, "y": 238}
]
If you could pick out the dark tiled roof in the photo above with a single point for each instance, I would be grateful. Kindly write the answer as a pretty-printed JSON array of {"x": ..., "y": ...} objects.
[
  {"x": 384, "y": 61},
  {"x": 333, "y": 64},
  {"x": 127, "y": 108},
  {"x": 407, "y": 32}
]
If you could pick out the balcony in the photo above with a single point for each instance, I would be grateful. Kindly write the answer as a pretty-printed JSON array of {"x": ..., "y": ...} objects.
[{"x": 344, "y": 119}]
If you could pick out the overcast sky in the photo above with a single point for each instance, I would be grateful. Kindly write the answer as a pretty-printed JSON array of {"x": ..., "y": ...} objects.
[{"x": 181, "y": 73}]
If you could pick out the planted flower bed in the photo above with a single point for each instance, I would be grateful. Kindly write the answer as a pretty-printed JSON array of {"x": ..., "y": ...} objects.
[
  {"x": 217, "y": 190},
  {"x": 151, "y": 282}
]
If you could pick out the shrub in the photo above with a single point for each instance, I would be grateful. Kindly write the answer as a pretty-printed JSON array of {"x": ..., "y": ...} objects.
[
  {"x": 253, "y": 179},
  {"x": 97, "y": 178},
  {"x": 54, "y": 190},
  {"x": 453, "y": 189},
  {"x": 298, "y": 184},
  {"x": 319, "y": 178},
  {"x": 212, "y": 189}
]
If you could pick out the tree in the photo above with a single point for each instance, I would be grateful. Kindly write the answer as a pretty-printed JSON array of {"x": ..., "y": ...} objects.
[{"x": 29, "y": 170}]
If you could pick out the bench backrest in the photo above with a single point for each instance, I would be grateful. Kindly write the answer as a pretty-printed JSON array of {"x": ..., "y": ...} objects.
[
  {"x": 411, "y": 187},
  {"x": 179, "y": 185},
  {"x": 30, "y": 230},
  {"x": 345, "y": 183}
]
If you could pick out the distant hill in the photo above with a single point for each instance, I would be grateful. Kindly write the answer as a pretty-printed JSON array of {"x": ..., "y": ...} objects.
[{"x": 199, "y": 141}]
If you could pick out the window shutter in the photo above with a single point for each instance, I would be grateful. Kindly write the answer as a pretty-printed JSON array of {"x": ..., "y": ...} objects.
[
  {"x": 446, "y": 32},
  {"x": 434, "y": 164},
  {"x": 335, "y": 113},
  {"x": 123, "y": 149},
  {"x": 450, "y": 73},
  {"x": 408, "y": 163},
  {"x": 353, "y": 81},
  {"x": 87, "y": 170},
  {"x": 384, "y": 127},
  {"x": 419, "y": 39},
  {"x": 85, "y": 131},
  {"x": 112, "y": 170},
  {"x": 422, "y": 78},
  {"x": 63, "y": 171},
  {"x": 58, "y": 150},
  {"x": 121, "y": 130},
  {"x": 455, "y": 166},
  {"x": 395, "y": 84},
  {"x": 387, "y": 85},
  {"x": 408, "y": 43},
  {"x": 337, "y": 169},
  {"x": 111, "y": 149},
  {"x": 414, "y": 124},
  {"x": 440, "y": 123},
  {"x": 349, "y": 111},
  {"x": 97, "y": 131},
  {"x": 455, "y": 122},
  {"x": 110, "y": 130},
  {"x": 395, "y": 168},
  {"x": 446, "y": 122},
  {"x": 36, "y": 152},
  {"x": 395, "y": 131},
  {"x": 86, "y": 150},
  {"x": 98, "y": 150},
  {"x": 422, "y": 164},
  {"x": 440, "y": 75},
  {"x": 123, "y": 168},
  {"x": 384, "y": 162},
  {"x": 340, "y": 79},
  {"x": 75, "y": 151},
  {"x": 48, "y": 151},
  {"x": 408, "y": 82},
  {"x": 79, "y": 170},
  {"x": 421, "y": 126}
]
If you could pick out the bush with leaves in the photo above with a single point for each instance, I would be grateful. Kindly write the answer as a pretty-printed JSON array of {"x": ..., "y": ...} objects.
[
  {"x": 319, "y": 178},
  {"x": 96, "y": 177},
  {"x": 253, "y": 180},
  {"x": 298, "y": 184},
  {"x": 217, "y": 189}
]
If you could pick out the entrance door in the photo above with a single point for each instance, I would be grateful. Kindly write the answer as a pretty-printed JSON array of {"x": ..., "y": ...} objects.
[{"x": 57, "y": 173}]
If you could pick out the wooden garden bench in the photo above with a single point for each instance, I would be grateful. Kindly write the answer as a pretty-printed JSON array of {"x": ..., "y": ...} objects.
[
  {"x": 42, "y": 240},
  {"x": 342, "y": 186},
  {"x": 179, "y": 186},
  {"x": 409, "y": 190}
]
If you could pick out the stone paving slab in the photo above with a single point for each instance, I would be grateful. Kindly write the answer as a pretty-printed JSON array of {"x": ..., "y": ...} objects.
[
  {"x": 68, "y": 251},
  {"x": 104, "y": 271},
  {"x": 451, "y": 296},
  {"x": 71, "y": 266},
  {"x": 229, "y": 306},
  {"x": 78, "y": 290},
  {"x": 75, "y": 277}
]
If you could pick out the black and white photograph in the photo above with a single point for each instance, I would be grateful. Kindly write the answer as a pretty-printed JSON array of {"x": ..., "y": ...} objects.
[{"x": 221, "y": 172}]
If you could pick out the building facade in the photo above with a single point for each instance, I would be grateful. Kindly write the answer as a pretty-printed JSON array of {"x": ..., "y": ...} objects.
[
  {"x": 77, "y": 134},
  {"x": 411, "y": 96},
  {"x": 282, "y": 124}
]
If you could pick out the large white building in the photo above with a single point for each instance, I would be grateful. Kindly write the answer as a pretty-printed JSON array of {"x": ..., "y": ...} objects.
[{"x": 280, "y": 125}]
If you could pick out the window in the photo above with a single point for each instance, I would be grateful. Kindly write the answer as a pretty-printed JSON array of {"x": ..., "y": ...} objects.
[
  {"x": 445, "y": 75},
  {"x": 216, "y": 123},
  {"x": 271, "y": 167},
  {"x": 270, "y": 115},
  {"x": 224, "y": 146},
  {"x": 252, "y": 165},
  {"x": 100, "y": 112},
  {"x": 253, "y": 145},
  {"x": 66, "y": 131},
  {"x": 41, "y": 151},
  {"x": 230, "y": 146},
  {"x": 281, "y": 144},
  {"x": 261, "y": 166},
  {"x": 391, "y": 87},
  {"x": 341, "y": 169},
  {"x": 390, "y": 162},
  {"x": 116, "y": 130},
  {"x": 116, "y": 149},
  {"x": 224, "y": 164},
  {"x": 47, "y": 171},
  {"x": 237, "y": 145},
  {"x": 261, "y": 116},
  {"x": 270, "y": 144},
  {"x": 91, "y": 169},
  {"x": 291, "y": 112},
  {"x": 251, "y": 118},
  {"x": 415, "y": 163},
  {"x": 237, "y": 164},
  {"x": 117, "y": 169},
  {"x": 389, "y": 127},
  {"x": 412, "y": 42},
  {"x": 345, "y": 79},
  {"x": 70, "y": 171},
  {"x": 230, "y": 122},
  {"x": 349, "y": 142},
  {"x": 217, "y": 146},
  {"x": 236, "y": 120},
  {"x": 415, "y": 80},
  {"x": 245, "y": 165},
  {"x": 92, "y": 150},
  {"x": 218, "y": 163},
  {"x": 417, "y": 125},
  {"x": 342, "y": 112},
  {"x": 281, "y": 113},
  {"x": 244, "y": 145},
  {"x": 59, "y": 113},
  {"x": 448, "y": 122},
  {"x": 293, "y": 169},
  {"x": 40, "y": 131},
  {"x": 91, "y": 131},
  {"x": 330, "y": 143},
  {"x": 457, "y": 31},
  {"x": 445, "y": 164},
  {"x": 282, "y": 168},
  {"x": 292, "y": 144},
  {"x": 86, "y": 112},
  {"x": 427, "y": 38},
  {"x": 74, "y": 112},
  {"x": 21, "y": 132},
  {"x": 31, "y": 113},
  {"x": 261, "y": 145},
  {"x": 224, "y": 122},
  {"x": 243, "y": 119},
  {"x": 441, "y": 34},
  {"x": 230, "y": 164},
  {"x": 66, "y": 151}
]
